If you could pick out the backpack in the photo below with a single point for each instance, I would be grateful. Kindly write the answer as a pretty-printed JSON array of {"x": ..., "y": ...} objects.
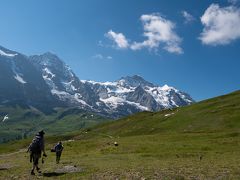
[
  {"x": 36, "y": 144},
  {"x": 58, "y": 148}
]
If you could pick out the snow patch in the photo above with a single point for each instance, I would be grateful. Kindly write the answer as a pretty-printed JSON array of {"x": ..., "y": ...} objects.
[
  {"x": 59, "y": 93},
  {"x": 74, "y": 98},
  {"x": 19, "y": 79},
  {"x": 100, "y": 83},
  {"x": 77, "y": 98},
  {"x": 185, "y": 98},
  {"x": 5, "y": 118},
  {"x": 18, "y": 76},
  {"x": 114, "y": 102},
  {"x": 143, "y": 108},
  {"x": 166, "y": 115},
  {"x": 161, "y": 96},
  {"x": 173, "y": 102},
  {"x": 166, "y": 88},
  {"x": 2, "y": 53},
  {"x": 47, "y": 74},
  {"x": 69, "y": 86}
]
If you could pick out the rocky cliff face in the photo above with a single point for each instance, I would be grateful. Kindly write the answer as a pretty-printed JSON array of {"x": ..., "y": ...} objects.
[{"x": 22, "y": 84}]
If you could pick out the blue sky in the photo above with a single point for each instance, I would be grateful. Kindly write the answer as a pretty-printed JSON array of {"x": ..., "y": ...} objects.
[{"x": 191, "y": 45}]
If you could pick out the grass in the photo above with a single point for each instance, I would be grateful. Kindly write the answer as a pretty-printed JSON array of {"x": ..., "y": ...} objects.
[
  {"x": 23, "y": 123},
  {"x": 214, "y": 115},
  {"x": 200, "y": 141},
  {"x": 166, "y": 156}
]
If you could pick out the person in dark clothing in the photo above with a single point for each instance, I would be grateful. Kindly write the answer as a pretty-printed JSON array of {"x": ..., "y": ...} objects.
[
  {"x": 58, "y": 149},
  {"x": 36, "y": 148}
]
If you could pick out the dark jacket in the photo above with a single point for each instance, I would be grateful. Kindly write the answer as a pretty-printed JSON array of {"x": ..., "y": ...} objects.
[{"x": 58, "y": 147}]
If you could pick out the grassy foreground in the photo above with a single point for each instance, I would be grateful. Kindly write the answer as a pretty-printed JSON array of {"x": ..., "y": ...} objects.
[
  {"x": 201, "y": 141},
  {"x": 165, "y": 156}
]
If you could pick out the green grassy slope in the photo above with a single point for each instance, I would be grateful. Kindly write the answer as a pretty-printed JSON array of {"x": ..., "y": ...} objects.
[
  {"x": 25, "y": 122},
  {"x": 200, "y": 141},
  {"x": 213, "y": 115}
]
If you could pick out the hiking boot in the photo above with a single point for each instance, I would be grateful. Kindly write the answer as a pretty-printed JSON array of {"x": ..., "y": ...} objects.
[
  {"x": 32, "y": 172},
  {"x": 38, "y": 170}
]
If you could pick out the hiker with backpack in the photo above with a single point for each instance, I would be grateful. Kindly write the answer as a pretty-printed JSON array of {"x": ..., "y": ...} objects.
[
  {"x": 58, "y": 149},
  {"x": 35, "y": 149}
]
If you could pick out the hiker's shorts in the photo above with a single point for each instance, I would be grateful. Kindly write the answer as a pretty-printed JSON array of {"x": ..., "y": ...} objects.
[{"x": 36, "y": 157}]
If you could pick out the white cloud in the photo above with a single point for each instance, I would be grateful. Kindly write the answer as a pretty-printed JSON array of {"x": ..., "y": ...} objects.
[
  {"x": 118, "y": 38},
  {"x": 158, "y": 30},
  {"x": 188, "y": 17},
  {"x": 221, "y": 25},
  {"x": 100, "y": 56}
]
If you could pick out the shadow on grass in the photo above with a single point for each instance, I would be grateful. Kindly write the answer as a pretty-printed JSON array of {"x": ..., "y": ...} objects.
[
  {"x": 2, "y": 169},
  {"x": 51, "y": 174}
]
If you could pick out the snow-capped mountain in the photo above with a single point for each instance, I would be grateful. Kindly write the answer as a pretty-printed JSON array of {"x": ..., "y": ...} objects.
[
  {"x": 45, "y": 79},
  {"x": 137, "y": 94},
  {"x": 21, "y": 84},
  {"x": 62, "y": 81}
]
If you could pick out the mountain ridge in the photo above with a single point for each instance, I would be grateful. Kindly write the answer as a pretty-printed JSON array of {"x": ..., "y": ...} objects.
[{"x": 49, "y": 74}]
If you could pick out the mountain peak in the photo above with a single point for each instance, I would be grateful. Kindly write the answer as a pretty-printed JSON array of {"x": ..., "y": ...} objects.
[
  {"x": 51, "y": 57},
  {"x": 137, "y": 78},
  {"x": 47, "y": 59},
  {"x": 134, "y": 81},
  {"x": 49, "y": 54}
]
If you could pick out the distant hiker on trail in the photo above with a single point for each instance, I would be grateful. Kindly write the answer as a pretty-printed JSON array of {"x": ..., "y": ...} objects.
[
  {"x": 58, "y": 149},
  {"x": 36, "y": 148}
]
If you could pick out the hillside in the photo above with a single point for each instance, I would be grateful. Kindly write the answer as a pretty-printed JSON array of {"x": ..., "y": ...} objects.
[
  {"x": 220, "y": 114},
  {"x": 22, "y": 122},
  {"x": 200, "y": 141}
]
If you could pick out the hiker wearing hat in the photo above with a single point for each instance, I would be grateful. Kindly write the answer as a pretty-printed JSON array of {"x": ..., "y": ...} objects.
[
  {"x": 36, "y": 148},
  {"x": 58, "y": 149}
]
